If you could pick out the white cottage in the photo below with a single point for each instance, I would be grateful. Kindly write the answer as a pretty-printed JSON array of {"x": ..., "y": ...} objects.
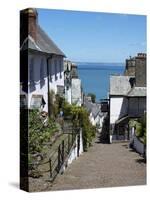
[
  {"x": 73, "y": 85},
  {"x": 94, "y": 110},
  {"x": 41, "y": 63},
  {"x": 126, "y": 102},
  {"x": 67, "y": 79}
]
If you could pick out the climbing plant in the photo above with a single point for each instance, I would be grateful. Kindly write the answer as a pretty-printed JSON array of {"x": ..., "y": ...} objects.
[
  {"x": 80, "y": 118},
  {"x": 141, "y": 129},
  {"x": 140, "y": 126},
  {"x": 56, "y": 104},
  {"x": 38, "y": 132}
]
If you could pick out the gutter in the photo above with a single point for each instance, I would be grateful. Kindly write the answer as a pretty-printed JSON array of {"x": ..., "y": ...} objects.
[{"x": 48, "y": 74}]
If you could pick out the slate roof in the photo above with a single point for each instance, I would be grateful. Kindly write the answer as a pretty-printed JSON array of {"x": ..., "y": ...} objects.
[
  {"x": 92, "y": 108},
  {"x": 95, "y": 110},
  {"x": 43, "y": 43},
  {"x": 119, "y": 85},
  {"x": 88, "y": 106},
  {"x": 137, "y": 92}
]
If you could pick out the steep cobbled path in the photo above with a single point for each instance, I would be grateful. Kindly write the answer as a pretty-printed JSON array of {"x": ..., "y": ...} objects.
[{"x": 104, "y": 165}]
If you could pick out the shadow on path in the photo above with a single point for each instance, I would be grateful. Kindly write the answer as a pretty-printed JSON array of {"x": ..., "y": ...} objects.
[
  {"x": 14, "y": 184},
  {"x": 140, "y": 160}
]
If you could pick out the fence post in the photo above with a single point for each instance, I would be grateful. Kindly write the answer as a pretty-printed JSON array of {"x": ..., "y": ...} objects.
[
  {"x": 68, "y": 143},
  {"x": 72, "y": 138},
  {"x": 63, "y": 144},
  {"x": 78, "y": 144},
  {"x": 59, "y": 158},
  {"x": 50, "y": 166}
]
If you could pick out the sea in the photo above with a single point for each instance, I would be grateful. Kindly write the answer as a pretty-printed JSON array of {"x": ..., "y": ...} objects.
[{"x": 95, "y": 77}]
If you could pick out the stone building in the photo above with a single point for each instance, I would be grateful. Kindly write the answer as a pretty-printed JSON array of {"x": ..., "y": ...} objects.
[{"x": 127, "y": 97}]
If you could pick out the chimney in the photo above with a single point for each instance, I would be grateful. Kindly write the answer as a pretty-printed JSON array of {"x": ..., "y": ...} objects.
[
  {"x": 28, "y": 23},
  {"x": 140, "y": 70},
  {"x": 32, "y": 15}
]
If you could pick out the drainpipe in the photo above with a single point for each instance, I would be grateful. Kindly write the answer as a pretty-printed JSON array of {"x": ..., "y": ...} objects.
[{"x": 47, "y": 60}]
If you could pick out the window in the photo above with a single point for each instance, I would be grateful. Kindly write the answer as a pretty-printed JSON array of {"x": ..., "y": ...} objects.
[{"x": 37, "y": 101}]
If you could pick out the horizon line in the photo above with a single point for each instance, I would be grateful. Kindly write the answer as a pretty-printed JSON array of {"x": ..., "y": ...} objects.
[{"x": 98, "y": 62}]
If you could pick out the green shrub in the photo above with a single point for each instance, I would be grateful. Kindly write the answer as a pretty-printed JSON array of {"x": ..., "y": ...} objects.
[
  {"x": 38, "y": 132},
  {"x": 56, "y": 104},
  {"x": 80, "y": 118},
  {"x": 141, "y": 129},
  {"x": 140, "y": 126}
]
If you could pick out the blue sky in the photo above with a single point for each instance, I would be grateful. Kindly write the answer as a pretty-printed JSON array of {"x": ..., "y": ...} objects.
[{"x": 95, "y": 37}]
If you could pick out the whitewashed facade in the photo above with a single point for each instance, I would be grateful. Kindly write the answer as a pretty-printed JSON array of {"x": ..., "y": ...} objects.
[
  {"x": 118, "y": 105},
  {"x": 118, "y": 108},
  {"x": 56, "y": 70},
  {"x": 67, "y": 77},
  {"x": 73, "y": 85},
  {"x": 38, "y": 79},
  {"x": 76, "y": 93}
]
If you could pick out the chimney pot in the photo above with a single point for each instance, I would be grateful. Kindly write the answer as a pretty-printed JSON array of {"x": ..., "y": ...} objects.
[{"x": 28, "y": 23}]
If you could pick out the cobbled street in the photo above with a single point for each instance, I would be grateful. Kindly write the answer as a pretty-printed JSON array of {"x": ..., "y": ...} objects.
[{"x": 104, "y": 165}]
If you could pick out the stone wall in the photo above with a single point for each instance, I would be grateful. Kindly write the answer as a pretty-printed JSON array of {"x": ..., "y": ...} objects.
[
  {"x": 130, "y": 67},
  {"x": 136, "y": 144}
]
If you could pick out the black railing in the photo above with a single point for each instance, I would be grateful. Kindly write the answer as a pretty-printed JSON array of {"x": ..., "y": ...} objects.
[
  {"x": 58, "y": 158},
  {"x": 53, "y": 165}
]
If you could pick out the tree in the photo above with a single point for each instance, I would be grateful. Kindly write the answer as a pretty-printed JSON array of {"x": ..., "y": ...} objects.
[{"x": 93, "y": 97}]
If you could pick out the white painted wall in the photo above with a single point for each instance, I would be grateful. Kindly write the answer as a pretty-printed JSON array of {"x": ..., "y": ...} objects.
[
  {"x": 92, "y": 120},
  {"x": 56, "y": 70},
  {"x": 67, "y": 66},
  {"x": 101, "y": 120},
  {"x": 73, "y": 154},
  {"x": 68, "y": 95},
  {"x": 118, "y": 108},
  {"x": 137, "y": 144},
  {"x": 37, "y": 84},
  {"x": 39, "y": 87},
  {"x": 76, "y": 95}
]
